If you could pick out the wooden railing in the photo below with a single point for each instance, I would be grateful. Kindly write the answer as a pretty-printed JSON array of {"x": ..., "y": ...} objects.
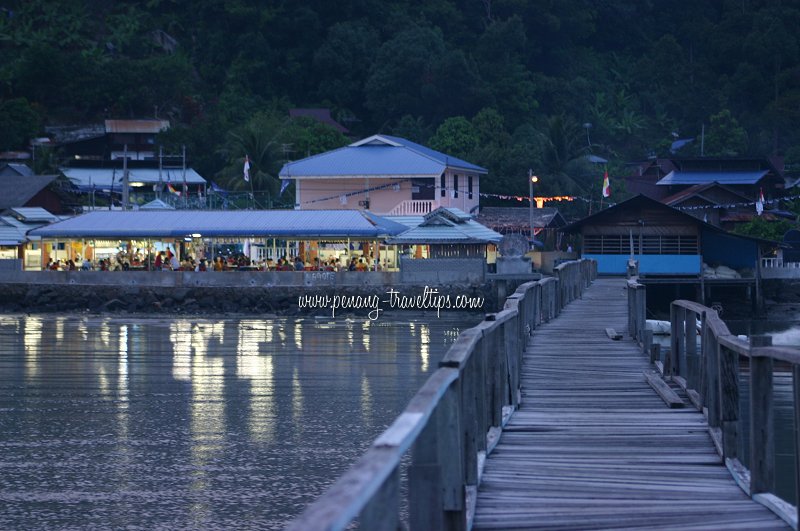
[
  {"x": 709, "y": 373},
  {"x": 450, "y": 425}
]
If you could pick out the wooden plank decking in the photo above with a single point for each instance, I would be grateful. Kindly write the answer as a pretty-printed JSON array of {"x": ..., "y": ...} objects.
[{"x": 594, "y": 447}]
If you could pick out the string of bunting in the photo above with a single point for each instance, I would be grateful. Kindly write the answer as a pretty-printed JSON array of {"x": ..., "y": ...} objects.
[{"x": 451, "y": 191}]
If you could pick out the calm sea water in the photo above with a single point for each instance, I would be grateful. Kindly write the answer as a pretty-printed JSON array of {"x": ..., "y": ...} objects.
[{"x": 177, "y": 424}]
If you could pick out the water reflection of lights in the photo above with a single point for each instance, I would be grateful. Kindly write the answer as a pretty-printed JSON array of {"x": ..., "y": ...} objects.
[
  {"x": 180, "y": 335},
  {"x": 105, "y": 332},
  {"x": 298, "y": 336},
  {"x": 365, "y": 335},
  {"x": 424, "y": 346},
  {"x": 122, "y": 385},
  {"x": 258, "y": 369},
  {"x": 33, "y": 341},
  {"x": 366, "y": 401},
  {"x": 297, "y": 396},
  {"x": 350, "y": 335},
  {"x": 59, "y": 331}
]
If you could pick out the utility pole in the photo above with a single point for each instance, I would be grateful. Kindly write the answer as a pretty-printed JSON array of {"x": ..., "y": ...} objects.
[{"x": 125, "y": 188}]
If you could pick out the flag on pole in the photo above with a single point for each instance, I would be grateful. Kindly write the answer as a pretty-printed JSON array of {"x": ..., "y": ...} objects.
[
  {"x": 760, "y": 201},
  {"x": 606, "y": 185},
  {"x": 173, "y": 190},
  {"x": 247, "y": 168}
]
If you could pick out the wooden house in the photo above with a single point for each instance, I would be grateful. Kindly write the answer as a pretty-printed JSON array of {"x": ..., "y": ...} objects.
[
  {"x": 747, "y": 176},
  {"x": 663, "y": 240}
]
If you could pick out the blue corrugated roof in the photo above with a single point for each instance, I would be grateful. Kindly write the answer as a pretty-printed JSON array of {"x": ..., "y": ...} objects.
[
  {"x": 377, "y": 156},
  {"x": 703, "y": 177},
  {"x": 447, "y": 225},
  {"x": 34, "y": 214},
  {"x": 179, "y": 223}
]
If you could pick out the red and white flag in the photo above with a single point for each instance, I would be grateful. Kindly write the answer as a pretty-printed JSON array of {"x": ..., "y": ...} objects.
[
  {"x": 760, "y": 202},
  {"x": 606, "y": 185},
  {"x": 247, "y": 168}
]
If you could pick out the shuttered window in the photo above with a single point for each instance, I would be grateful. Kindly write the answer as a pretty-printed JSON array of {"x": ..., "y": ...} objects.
[{"x": 621, "y": 244}]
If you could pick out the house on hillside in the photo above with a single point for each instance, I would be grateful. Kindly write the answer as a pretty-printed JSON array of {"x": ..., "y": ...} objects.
[
  {"x": 50, "y": 192},
  {"x": 716, "y": 204},
  {"x": 107, "y": 142},
  {"x": 661, "y": 178},
  {"x": 95, "y": 163},
  {"x": 321, "y": 115},
  {"x": 386, "y": 175}
]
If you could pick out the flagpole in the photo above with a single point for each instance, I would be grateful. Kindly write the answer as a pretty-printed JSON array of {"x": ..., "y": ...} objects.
[
  {"x": 602, "y": 189},
  {"x": 252, "y": 192}
]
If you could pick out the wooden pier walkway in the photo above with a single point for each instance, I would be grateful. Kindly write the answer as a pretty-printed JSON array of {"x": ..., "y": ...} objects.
[{"x": 592, "y": 446}]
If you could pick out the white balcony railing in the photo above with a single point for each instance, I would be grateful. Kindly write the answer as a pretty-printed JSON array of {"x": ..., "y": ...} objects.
[{"x": 413, "y": 207}]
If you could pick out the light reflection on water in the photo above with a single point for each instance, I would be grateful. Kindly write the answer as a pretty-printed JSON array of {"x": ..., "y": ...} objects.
[{"x": 195, "y": 424}]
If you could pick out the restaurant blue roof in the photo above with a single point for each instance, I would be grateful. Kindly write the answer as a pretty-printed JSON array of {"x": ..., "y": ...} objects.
[
  {"x": 377, "y": 156},
  {"x": 181, "y": 223},
  {"x": 703, "y": 177}
]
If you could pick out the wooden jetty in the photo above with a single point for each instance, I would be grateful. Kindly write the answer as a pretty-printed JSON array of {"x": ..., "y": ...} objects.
[{"x": 593, "y": 446}]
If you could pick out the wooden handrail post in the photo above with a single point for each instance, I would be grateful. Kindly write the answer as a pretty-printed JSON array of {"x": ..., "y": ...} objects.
[
  {"x": 762, "y": 447},
  {"x": 729, "y": 401},
  {"x": 690, "y": 362},
  {"x": 436, "y": 477},
  {"x": 796, "y": 393},
  {"x": 382, "y": 511},
  {"x": 713, "y": 398}
]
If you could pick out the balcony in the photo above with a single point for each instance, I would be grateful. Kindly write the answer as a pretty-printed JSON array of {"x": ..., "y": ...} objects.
[{"x": 413, "y": 207}]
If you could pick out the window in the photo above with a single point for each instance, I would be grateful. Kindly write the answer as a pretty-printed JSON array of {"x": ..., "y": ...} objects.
[
  {"x": 621, "y": 244},
  {"x": 469, "y": 186},
  {"x": 443, "y": 185},
  {"x": 455, "y": 185}
]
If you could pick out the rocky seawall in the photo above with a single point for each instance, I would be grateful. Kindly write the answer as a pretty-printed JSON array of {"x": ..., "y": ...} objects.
[{"x": 358, "y": 300}]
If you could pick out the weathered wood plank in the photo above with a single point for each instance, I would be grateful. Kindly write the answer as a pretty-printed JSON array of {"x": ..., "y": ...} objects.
[{"x": 666, "y": 393}]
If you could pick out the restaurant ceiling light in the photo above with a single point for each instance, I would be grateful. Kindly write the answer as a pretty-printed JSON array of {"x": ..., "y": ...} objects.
[{"x": 196, "y": 235}]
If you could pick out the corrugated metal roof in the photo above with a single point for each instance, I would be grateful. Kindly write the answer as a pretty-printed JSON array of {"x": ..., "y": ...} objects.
[
  {"x": 446, "y": 225},
  {"x": 33, "y": 214},
  {"x": 156, "y": 204},
  {"x": 100, "y": 178},
  {"x": 16, "y": 190},
  {"x": 13, "y": 232},
  {"x": 179, "y": 223},
  {"x": 136, "y": 126},
  {"x": 449, "y": 160},
  {"x": 703, "y": 177},
  {"x": 408, "y": 221},
  {"x": 468, "y": 232},
  {"x": 16, "y": 167},
  {"x": 377, "y": 156}
]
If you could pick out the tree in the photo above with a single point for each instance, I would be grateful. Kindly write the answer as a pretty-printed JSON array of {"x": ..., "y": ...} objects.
[
  {"x": 725, "y": 138},
  {"x": 456, "y": 137},
  {"x": 19, "y": 122},
  {"x": 342, "y": 62}
]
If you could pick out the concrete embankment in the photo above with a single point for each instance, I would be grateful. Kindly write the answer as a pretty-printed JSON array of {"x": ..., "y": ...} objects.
[{"x": 213, "y": 293}]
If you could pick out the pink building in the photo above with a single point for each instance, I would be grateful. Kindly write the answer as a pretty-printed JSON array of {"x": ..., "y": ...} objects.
[{"x": 386, "y": 175}]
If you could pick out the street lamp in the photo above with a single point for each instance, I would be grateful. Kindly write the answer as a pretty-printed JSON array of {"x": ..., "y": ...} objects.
[{"x": 531, "y": 179}]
